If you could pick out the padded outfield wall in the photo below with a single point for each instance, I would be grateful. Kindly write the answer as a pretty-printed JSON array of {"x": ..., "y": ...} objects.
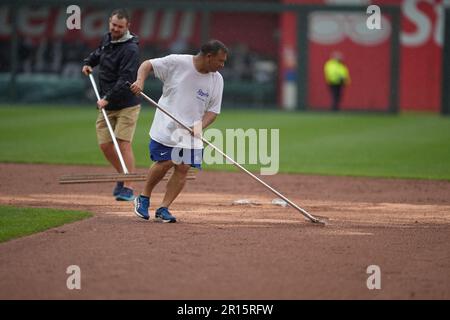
[
  {"x": 366, "y": 52},
  {"x": 266, "y": 35}
]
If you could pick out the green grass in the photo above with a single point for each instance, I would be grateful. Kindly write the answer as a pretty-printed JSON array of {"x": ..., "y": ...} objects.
[
  {"x": 18, "y": 222},
  {"x": 408, "y": 145}
]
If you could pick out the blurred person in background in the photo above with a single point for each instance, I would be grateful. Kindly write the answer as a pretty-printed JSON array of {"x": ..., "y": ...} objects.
[
  {"x": 118, "y": 60},
  {"x": 336, "y": 76}
]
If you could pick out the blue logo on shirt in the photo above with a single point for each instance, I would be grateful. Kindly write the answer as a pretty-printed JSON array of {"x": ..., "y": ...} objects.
[{"x": 202, "y": 94}]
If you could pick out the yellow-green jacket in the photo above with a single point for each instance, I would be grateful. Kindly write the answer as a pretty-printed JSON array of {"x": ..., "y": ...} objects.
[{"x": 336, "y": 72}]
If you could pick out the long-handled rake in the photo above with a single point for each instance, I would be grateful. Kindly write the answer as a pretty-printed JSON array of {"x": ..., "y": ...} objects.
[
  {"x": 111, "y": 132},
  {"x": 292, "y": 204},
  {"x": 125, "y": 176}
]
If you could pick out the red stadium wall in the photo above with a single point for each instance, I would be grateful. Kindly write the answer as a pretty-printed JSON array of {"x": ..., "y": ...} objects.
[
  {"x": 421, "y": 46},
  {"x": 420, "y": 68}
]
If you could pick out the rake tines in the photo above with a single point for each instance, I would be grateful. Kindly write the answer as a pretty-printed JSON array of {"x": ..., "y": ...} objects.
[{"x": 114, "y": 177}]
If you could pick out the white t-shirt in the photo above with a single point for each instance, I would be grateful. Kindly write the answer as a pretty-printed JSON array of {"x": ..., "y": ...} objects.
[{"x": 187, "y": 95}]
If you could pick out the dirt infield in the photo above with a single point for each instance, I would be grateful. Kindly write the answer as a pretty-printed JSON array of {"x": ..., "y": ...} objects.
[{"x": 220, "y": 250}]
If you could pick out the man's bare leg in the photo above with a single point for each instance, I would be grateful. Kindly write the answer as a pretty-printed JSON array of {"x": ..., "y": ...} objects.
[
  {"x": 175, "y": 184},
  {"x": 127, "y": 153},
  {"x": 111, "y": 155},
  {"x": 155, "y": 175}
]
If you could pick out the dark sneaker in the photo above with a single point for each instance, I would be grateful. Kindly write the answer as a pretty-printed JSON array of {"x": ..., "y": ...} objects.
[
  {"x": 164, "y": 215},
  {"x": 126, "y": 194},
  {"x": 118, "y": 188},
  {"x": 141, "y": 205}
]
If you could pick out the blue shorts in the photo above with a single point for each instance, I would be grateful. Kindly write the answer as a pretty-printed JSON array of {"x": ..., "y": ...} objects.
[{"x": 160, "y": 152}]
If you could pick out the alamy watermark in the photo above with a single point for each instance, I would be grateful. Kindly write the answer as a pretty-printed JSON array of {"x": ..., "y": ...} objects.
[
  {"x": 374, "y": 280},
  {"x": 250, "y": 146},
  {"x": 73, "y": 21},
  {"x": 374, "y": 20},
  {"x": 74, "y": 280}
]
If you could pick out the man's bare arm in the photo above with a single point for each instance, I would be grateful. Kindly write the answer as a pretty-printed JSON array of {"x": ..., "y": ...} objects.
[
  {"x": 143, "y": 72},
  {"x": 208, "y": 118}
]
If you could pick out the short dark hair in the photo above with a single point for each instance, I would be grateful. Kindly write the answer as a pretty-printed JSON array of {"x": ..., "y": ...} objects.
[
  {"x": 213, "y": 46},
  {"x": 121, "y": 14}
]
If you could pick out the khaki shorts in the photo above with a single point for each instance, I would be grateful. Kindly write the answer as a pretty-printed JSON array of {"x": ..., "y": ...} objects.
[{"x": 122, "y": 121}]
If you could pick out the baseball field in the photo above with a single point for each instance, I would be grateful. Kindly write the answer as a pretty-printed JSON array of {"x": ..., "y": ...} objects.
[{"x": 381, "y": 181}]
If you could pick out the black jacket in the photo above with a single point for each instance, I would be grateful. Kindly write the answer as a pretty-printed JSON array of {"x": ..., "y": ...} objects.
[{"x": 118, "y": 63}]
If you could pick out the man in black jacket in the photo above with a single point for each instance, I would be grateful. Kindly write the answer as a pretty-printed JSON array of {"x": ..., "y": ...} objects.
[{"x": 118, "y": 61}]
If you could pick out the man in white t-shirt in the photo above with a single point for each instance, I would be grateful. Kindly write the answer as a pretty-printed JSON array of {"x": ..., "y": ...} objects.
[{"x": 192, "y": 92}]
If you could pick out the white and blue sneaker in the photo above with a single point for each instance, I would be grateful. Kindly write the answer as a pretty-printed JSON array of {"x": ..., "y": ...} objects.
[
  {"x": 141, "y": 205},
  {"x": 164, "y": 215},
  {"x": 126, "y": 194},
  {"x": 117, "y": 188}
]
